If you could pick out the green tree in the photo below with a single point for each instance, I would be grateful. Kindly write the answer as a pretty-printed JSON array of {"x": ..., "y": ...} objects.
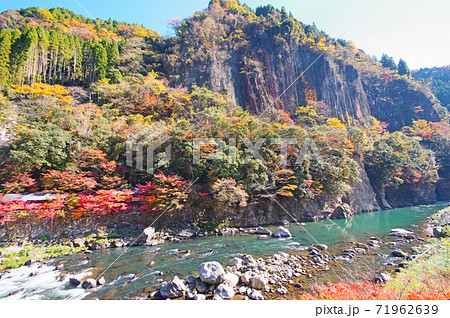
[
  {"x": 5, "y": 50},
  {"x": 388, "y": 62},
  {"x": 42, "y": 147},
  {"x": 403, "y": 68}
]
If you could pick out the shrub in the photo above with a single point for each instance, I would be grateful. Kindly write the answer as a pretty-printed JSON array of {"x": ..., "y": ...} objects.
[{"x": 228, "y": 192}]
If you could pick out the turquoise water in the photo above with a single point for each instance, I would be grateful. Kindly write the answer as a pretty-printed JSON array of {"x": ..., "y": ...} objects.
[{"x": 183, "y": 258}]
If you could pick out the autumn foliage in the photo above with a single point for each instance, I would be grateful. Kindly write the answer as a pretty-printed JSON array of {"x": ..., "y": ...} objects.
[
  {"x": 368, "y": 291},
  {"x": 163, "y": 193}
]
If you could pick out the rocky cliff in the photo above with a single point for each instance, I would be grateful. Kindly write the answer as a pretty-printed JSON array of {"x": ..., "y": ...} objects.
[{"x": 267, "y": 59}]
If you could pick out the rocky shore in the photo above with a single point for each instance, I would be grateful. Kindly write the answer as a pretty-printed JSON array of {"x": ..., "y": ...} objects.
[
  {"x": 438, "y": 225},
  {"x": 246, "y": 278}
]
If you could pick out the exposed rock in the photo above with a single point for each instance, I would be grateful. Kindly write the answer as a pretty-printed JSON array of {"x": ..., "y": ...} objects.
[
  {"x": 118, "y": 243},
  {"x": 191, "y": 279},
  {"x": 258, "y": 282},
  {"x": 74, "y": 282},
  {"x": 201, "y": 286},
  {"x": 282, "y": 290},
  {"x": 382, "y": 278},
  {"x": 400, "y": 232},
  {"x": 438, "y": 232},
  {"x": 186, "y": 234},
  {"x": 228, "y": 231},
  {"x": 224, "y": 291},
  {"x": 29, "y": 262},
  {"x": 199, "y": 297},
  {"x": 263, "y": 237},
  {"x": 285, "y": 222},
  {"x": 249, "y": 261},
  {"x": 245, "y": 278},
  {"x": 255, "y": 294},
  {"x": 263, "y": 231},
  {"x": 101, "y": 281},
  {"x": 282, "y": 232},
  {"x": 79, "y": 242},
  {"x": 341, "y": 212},
  {"x": 231, "y": 279},
  {"x": 149, "y": 235},
  {"x": 236, "y": 262},
  {"x": 322, "y": 247},
  {"x": 399, "y": 253},
  {"x": 211, "y": 272},
  {"x": 89, "y": 283},
  {"x": 173, "y": 289}
]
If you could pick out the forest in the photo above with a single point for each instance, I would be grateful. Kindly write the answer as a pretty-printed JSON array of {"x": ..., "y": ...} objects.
[{"x": 74, "y": 90}]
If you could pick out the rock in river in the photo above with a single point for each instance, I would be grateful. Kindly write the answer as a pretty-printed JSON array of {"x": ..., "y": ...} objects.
[
  {"x": 399, "y": 253},
  {"x": 173, "y": 289},
  {"x": 211, "y": 273},
  {"x": 89, "y": 283},
  {"x": 263, "y": 231},
  {"x": 282, "y": 232}
]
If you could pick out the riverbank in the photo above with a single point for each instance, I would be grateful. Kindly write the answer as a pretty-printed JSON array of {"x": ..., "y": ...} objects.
[{"x": 144, "y": 268}]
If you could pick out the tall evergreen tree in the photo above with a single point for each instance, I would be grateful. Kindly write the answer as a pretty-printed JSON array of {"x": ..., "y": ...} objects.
[
  {"x": 5, "y": 51},
  {"x": 388, "y": 62},
  {"x": 403, "y": 68},
  {"x": 100, "y": 60}
]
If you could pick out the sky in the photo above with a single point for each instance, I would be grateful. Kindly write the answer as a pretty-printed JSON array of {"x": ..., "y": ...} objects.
[{"x": 417, "y": 31}]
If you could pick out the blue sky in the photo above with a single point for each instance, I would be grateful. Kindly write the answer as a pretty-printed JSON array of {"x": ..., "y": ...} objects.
[{"x": 415, "y": 30}]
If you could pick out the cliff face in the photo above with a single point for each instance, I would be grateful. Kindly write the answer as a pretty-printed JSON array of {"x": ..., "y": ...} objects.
[{"x": 264, "y": 67}]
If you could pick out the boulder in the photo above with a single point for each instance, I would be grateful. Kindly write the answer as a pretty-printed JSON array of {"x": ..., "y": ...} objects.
[
  {"x": 282, "y": 232},
  {"x": 191, "y": 279},
  {"x": 285, "y": 222},
  {"x": 400, "y": 232},
  {"x": 282, "y": 290},
  {"x": 149, "y": 235},
  {"x": 89, "y": 283},
  {"x": 262, "y": 231},
  {"x": 118, "y": 243},
  {"x": 322, "y": 247},
  {"x": 201, "y": 286},
  {"x": 236, "y": 262},
  {"x": 246, "y": 277},
  {"x": 101, "y": 281},
  {"x": 438, "y": 232},
  {"x": 249, "y": 261},
  {"x": 399, "y": 253},
  {"x": 79, "y": 242},
  {"x": 258, "y": 282},
  {"x": 173, "y": 289},
  {"x": 186, "y": 234},
  {"x": 231, "y": 279},
  {"x": 382, "y": 278},
  {"x": 224, "y": 291},
  {"x": 74, "y": 282},
  {"x": 255, "y": 294},
  {"x": 211, "y": 273},
  {"x": 199, "y": 297}
]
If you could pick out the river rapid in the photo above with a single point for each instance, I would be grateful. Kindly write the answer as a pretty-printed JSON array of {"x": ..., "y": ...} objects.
[{"x": 138, "y": 270}]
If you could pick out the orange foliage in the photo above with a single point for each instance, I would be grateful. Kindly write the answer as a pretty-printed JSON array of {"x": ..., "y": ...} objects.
[{"x": 369, "y": 291}]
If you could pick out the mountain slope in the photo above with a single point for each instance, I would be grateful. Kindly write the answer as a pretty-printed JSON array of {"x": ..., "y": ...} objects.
[{"x": 268, "y": 59}]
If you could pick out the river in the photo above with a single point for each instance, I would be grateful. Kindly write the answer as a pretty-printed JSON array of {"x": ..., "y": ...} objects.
[{"x": 144, "y": 264}]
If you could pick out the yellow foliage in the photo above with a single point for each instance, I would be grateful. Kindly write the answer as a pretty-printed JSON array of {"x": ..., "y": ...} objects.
[
  {"x": 61, "y": 95},
  {"x": 47, "y": 15},
  {"x": 335, "y": 123}
]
